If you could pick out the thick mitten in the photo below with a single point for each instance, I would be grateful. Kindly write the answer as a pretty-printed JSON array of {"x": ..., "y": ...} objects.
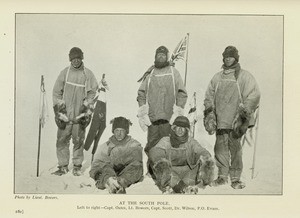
[
  {"x": 206, "y": 171},
  {"x": 143, "y": 116},
  {"x": 240, "y": 123},
  {"x": 85, "y": 116},
  {"x": 177, "y": 111},
  {"x": 162, "y": 171},
  {"x": 61, "y": 118},
  {"x": 210, "y": 121}
]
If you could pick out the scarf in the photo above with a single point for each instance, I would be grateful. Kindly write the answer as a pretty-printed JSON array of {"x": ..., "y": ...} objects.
[
  {"x": 176, "y": 140},
  {"x": 235, "y": 66},
  {"x": 115, "y": 142}
]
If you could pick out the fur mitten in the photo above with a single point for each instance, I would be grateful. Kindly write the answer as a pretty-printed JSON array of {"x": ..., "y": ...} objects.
[
  {"x": 177, "y": 111},
  {"x": 240, "y": 123},
  {"x": 143, "y": 116},
  {"x": 85, "y": 116},
  {"x": 206, "y": 172},
  {"x": 162, "y": 170},
  {"x": 210, "y": 121},
  {"x": 60, "y": 112}
]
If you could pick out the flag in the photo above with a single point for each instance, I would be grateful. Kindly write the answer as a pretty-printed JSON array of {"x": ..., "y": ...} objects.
[
  {"x": 98, "y": 123},
  {"x": 43, "y": 113},
  {"x": 180, "y": 50},
  {"x": 192, "y": 114}
]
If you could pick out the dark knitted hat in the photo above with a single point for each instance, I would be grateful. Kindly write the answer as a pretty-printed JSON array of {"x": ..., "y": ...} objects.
[
  {"x": 162, "y": 49},
  {"x": 75, "y": 53},
  {"x": 182, "y": 121},
  {"x": 231, "y": 51},
  {"x": 121, "y": 122}
]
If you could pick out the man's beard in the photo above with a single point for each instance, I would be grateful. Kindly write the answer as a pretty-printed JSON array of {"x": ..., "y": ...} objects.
[{"x": 159, "y": 64}]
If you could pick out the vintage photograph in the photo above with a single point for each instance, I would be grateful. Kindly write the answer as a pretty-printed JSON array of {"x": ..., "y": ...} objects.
[{"x": 148, "y": 104}]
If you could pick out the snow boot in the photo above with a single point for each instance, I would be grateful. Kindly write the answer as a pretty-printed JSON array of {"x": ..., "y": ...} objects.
[
  {"x": 77, "y": 171},
  {"x": 167, "y": 190},
  {"x": 121, "y": 191},
  {"x": 238, "y": 185},
  {"x": 219, "y": 181},
  {"x": 179, "y": 187},
  {"x": 61, "y": 171}
]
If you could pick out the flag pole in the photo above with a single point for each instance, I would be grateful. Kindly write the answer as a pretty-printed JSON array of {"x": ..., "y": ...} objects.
[
  {"x": 186, "y": 58},
  {"x": 40, "y": 127},
  {"x": 255, "y": 142},
  {"x": 194, "y": 122}
]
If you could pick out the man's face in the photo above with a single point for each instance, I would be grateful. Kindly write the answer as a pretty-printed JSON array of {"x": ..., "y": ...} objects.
[
  {"x": 179, "y": 131},
  {"x": 229, "y": 61},
  {"x": 119, "y": 134},
  {"x": 161, "y": 57},
  {"x": 76, "y": 62}
]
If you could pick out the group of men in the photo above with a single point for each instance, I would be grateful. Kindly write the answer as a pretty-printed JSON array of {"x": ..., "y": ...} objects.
[{"x": 176, "y": 161}]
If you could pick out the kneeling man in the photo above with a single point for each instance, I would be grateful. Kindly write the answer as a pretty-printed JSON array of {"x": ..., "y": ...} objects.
[{"x": 179, "y": 163}]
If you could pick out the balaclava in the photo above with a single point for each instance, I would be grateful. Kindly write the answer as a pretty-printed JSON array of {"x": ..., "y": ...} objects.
[
  {"x": 164, "y": 50},
  {"x": 180, "y": 121}
]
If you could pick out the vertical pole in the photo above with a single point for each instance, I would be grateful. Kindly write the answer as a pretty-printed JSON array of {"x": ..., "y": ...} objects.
[
  {"x": 40, "y": 125},
  {"x": 255, "y": 142},
  {"x": 194, "y": 122},
  {"x": 186, "y": 58}
]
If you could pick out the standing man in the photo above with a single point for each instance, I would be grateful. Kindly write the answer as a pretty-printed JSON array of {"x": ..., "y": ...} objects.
[
  {"x": 161, "y": 98},
  {"x": 231, "y": 98},
  {"x": 119, "y": 161},
  {"x": 73, "y": 94}
]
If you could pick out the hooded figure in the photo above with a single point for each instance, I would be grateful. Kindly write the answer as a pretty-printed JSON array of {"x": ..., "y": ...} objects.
[
  {"x": 73, "y": 94},
  {"x": 180, "y": 164},
  {"x": 119, "y": 162},
  {"x": 230, "y": 100}
]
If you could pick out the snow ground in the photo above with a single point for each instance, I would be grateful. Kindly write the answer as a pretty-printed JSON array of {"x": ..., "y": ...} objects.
[{"x": 265, "y": 182}]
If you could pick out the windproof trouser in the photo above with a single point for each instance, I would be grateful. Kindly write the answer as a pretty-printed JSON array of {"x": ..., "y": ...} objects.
[
  {"x": 63, "y": 143},
  {"x": 156, "y": 131},
  {"x": 228, "y": 155}
]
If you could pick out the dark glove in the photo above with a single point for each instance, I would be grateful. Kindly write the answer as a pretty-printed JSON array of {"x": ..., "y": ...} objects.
[
  {"x": 240, "y": 123},
  {"x": 85, "y": 116},
  {"x": 210, "y": 121},
  {"x": 61, "y": 118}
]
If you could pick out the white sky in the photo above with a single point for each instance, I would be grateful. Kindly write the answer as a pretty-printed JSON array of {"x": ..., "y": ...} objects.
[{"x": 123, "y": 47}]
